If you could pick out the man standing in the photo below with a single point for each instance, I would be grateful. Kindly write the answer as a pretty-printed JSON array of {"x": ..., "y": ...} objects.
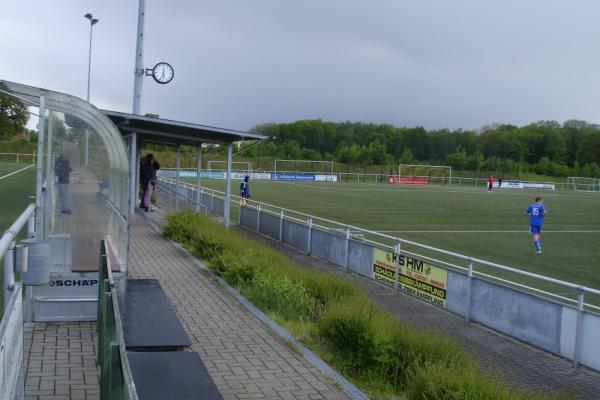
[
  {"x": 62, "y": 170},
  {"x": 536, "y": 212},
  {"x": 490, "y": 183},
  {"x": 245, "y": 191}
]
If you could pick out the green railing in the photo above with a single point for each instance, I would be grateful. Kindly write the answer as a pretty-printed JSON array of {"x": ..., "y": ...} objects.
[{"x": 116, "y": 381}]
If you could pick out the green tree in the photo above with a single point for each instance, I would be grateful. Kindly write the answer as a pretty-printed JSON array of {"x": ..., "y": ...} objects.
[
  {"x": 407, "y": 157},
  {"x": 13, "y": 117}
]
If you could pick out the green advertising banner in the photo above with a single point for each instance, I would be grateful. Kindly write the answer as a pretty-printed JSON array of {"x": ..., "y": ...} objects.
[{"x": 415, "y": 276}]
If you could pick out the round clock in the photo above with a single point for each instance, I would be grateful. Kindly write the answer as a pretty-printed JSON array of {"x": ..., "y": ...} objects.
[{"x": 163, "y": 73}]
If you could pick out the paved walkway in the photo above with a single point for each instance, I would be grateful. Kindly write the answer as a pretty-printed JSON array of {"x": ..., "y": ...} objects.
[
  {"x": 60, "y": 361},
  {"x": 245, "y": 359},
  {"x": 521, "y": 364}
]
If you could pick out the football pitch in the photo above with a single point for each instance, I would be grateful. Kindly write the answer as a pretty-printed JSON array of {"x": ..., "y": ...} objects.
[
  {"x": 469, "y": 221},
  {"x": 16, "y": 192}
]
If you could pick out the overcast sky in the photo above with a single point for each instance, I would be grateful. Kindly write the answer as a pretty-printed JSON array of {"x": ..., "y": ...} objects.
[{"x": 435, "y": 63}]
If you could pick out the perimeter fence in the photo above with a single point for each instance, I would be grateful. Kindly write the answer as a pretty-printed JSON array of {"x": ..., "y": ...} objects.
[{"x": 558, "y": 316}]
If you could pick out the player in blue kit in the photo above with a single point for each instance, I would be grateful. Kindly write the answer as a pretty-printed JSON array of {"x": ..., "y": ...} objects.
[{"x": 536, "y": 213}]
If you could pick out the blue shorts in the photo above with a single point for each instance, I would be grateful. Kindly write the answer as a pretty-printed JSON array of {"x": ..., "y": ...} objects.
[{"x": 535, "y": 229}]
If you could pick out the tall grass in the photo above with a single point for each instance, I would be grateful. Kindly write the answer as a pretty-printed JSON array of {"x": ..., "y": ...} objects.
[{"x": 382, "y": 355}]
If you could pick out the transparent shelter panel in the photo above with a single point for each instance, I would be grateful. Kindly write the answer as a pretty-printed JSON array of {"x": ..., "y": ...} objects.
[{"x": 86, "y": 193}]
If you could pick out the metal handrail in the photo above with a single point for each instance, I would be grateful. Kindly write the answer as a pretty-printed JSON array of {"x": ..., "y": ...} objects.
[{"x": 463, "y": 257}]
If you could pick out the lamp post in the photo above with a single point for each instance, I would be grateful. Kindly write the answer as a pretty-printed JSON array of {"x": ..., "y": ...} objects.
[{"x": 93, "y": 21}]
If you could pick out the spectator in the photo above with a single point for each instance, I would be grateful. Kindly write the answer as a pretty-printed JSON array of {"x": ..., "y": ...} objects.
[{"x": 62, "y": 170}]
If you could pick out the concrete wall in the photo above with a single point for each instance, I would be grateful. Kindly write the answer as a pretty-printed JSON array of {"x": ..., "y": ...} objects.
[
  {"x": 360, "y": 258},
  {"x": 529, "y": 318},
  {"x": 295, "y": 234},
  {"x": 331, "y": 247},
  {"x": 269, "y": 225}
]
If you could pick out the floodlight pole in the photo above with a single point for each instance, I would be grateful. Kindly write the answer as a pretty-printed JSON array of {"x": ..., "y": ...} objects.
[{"x": 93, "y": 21}]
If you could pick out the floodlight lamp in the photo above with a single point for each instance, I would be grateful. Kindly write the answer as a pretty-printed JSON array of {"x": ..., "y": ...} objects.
[
  {"x": 89, "y": 16},
  {"x": 94, "y": 20}
]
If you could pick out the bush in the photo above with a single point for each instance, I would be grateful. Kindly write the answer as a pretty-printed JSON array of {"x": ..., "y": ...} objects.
[{"x": 338, "y": 319}]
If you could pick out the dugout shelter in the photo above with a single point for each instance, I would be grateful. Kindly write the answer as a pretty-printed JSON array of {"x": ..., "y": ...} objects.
[{"x": 103, "y": 148}]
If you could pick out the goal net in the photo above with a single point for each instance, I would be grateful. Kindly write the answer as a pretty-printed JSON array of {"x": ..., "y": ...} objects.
[
  {"x": 583, "y": 184},
  {"x": 324, "y": 167},
  {"x": 236, "y": 166},
  {"x": 440, "y": 174}
]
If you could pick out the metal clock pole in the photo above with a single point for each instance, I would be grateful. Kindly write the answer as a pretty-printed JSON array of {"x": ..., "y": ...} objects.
[{"x": 138, "y": 84}]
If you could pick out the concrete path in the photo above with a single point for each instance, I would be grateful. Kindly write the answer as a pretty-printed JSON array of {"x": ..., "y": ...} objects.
[
  {"x": 521, "y": 364},
  {"x": 245, "y": 359},
  {"x": 60, "y": 361}
]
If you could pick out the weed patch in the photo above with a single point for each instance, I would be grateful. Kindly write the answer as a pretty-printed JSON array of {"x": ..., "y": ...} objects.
[{"x": 383, "y": 356}]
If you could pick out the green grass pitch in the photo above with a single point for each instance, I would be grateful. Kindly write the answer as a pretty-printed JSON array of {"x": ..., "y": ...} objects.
[
  {"x": 466, "y": 220},
  {"x": 16, "y": 191}
]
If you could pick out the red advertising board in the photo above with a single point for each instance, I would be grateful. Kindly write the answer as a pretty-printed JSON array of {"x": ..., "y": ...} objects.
[{"x": 408, "y": 180}]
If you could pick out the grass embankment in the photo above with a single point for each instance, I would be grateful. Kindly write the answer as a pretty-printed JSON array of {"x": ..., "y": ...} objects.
[{"x": 383, "y": 356}]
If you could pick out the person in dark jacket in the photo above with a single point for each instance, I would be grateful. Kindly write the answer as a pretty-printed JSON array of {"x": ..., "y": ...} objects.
[
  {"x": 245, "y": 191},
  {"x": 62, "y": 170},
  {"x": 146, "y": 177}
]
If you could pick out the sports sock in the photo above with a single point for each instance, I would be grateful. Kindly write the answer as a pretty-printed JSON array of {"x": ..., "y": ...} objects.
[{"x": 538, "y": 246}]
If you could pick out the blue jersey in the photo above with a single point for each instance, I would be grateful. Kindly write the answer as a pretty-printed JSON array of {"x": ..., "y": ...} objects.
[
  {"x": 536, "y": 214},
  {"x": 245, "y": 190}
]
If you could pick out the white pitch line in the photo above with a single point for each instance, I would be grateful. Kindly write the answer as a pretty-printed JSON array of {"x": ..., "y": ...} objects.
[
  {"x": 524, "y": 231},
  {"x": 16, "y": 172}
]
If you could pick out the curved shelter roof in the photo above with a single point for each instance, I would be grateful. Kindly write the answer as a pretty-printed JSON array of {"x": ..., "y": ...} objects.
[{"x": 169, "y": 132}]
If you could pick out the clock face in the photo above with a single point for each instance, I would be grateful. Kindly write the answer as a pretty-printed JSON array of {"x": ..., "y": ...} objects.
[{"x": 163, "y": 73}]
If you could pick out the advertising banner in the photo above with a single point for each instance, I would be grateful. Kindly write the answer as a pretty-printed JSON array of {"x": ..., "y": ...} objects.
[
  {"x": 545, "y": 186},
  {"x": 509, "y": 185},
  {"x": 326, "y": 178},
  {"x": 416, "y": 277},
  {"x": 408, "y": 180},
  {"x": 293, "y": 177}
]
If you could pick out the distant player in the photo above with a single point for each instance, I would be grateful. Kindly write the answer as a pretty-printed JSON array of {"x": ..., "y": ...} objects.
[
  {"x": 536, "y": 213},
  {"x": 490, "y": 183},
  {"x": 245, "y": 191}
]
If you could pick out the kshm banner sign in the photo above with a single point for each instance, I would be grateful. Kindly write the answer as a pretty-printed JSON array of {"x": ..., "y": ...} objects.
[{"x": 415, "y": 276}]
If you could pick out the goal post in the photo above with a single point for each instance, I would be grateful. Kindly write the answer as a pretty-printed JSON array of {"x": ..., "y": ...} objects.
[
  {"x": 236, "y": 166},
  {"x": 438, "y": 173},
  {"x": 309, "y": 166},
  {"x": 583, "y": 184}
]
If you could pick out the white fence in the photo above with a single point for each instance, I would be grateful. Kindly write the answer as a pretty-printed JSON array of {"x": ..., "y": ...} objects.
[
  {"x": 19, "y": 158},
  {"x": 479, "y": 290}
]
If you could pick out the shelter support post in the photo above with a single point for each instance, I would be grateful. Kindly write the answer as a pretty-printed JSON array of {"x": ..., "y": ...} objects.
[
  {"x": 86, "y": 144},
  {"x": 40, "y": 162},
  {"x": 177, "y": 175},
  {"x": 133, "y": 173},
  {"x": 198, "y": 171},
  {"x": 227, "y": 205}
]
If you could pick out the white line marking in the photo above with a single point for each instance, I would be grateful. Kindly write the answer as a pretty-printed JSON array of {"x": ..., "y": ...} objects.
[
  {"x": 16, "y": 172},
  {"x": 524, "y": 231}
]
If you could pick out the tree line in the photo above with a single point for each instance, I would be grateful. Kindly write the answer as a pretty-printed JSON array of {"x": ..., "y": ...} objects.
[{"x": 544, "y": 147}]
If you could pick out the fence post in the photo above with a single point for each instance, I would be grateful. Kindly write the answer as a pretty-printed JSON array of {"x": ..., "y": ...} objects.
[
  {"x": 580, "y": 296},
  {"x": 469, "y": 284},
  {"x": 281, "y": 225},
  {"x": 396, "y": 264},
  {"x": 9, "y": 273},
  {"x": 347, "y": 249},
  {"x": 258, "y": 218},
  {"x": 212, "y": 203},
  {"x": 309, "y": 222}
]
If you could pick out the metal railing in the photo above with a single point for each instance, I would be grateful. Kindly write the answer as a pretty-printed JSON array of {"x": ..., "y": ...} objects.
[
  {"x": 8, "y": 246},
  {"x": 116, "y": 380},
  {"x": 397, "y": 245}
]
